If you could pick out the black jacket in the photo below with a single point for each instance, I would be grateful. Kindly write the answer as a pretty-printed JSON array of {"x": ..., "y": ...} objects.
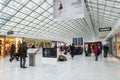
[{"x": 23, "y": 51}]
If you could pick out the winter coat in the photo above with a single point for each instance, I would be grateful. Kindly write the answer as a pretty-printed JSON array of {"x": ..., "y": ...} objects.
[
  {"x": 72, "y": 48},
  {"x": 96, "y": 49},
  {"x": 23, "y": 51},
  {"x": 12, "y": 49}
]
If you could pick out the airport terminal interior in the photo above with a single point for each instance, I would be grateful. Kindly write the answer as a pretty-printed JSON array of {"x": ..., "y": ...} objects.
[{"x": 61, "y": 39}]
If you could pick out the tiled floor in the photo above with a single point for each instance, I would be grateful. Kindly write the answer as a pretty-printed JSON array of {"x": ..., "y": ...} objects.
[{"x": 80, "y": 68}]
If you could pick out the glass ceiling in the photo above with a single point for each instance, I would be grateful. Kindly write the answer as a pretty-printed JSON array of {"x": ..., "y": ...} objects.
[
  {"x": 34, "y": 19},
  {"x": 103, "y": 13}
]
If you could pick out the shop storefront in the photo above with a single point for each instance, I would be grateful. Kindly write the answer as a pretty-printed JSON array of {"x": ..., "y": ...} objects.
[
  {"x": 37, "y": 43},
  {"x": 11, "y": 40},
  {"x": 2, "y": 40},
  {"x": 118, "y": 45},
  {"x": 5, "y": 44},
  {"x": 114, "y": 46}
]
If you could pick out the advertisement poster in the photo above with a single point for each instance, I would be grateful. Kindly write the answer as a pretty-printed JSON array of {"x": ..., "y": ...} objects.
[
  {"x": 49, "y": 52},
  {"x": 75, "y": 41},
  {"x": 68, "y": 9},
  {"x": 80, "y": 41}
]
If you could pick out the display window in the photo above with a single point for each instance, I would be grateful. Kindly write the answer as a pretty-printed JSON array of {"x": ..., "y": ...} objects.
[
  {"x": 47, "y": 44},
  {"x": 36, "y": 42},
  {"x": 1, "y": 46},
  {"x": 9, "y": 41},
  {"x": 39, "y": 44},
  {"x": 29, "y": 42}
]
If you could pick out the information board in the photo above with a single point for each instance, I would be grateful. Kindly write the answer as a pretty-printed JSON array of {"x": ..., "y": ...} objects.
[
  {"x": 80, "y": 41},
  {"x": 49, "y": 52},
  {"x": 75, "y": 41}
]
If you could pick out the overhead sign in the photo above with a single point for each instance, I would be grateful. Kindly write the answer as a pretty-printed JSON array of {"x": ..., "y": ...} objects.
[
  {"x": 9, "y": 32},
  {"x": 75, "y": 41},
  {"x": 68, "y": 9},
  {"x": 80, "y": 41},
  {"x": 105, "y": 29}
]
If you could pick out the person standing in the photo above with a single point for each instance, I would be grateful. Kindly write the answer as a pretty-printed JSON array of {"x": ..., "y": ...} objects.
[
  {"x": 12, "y": 52},
  {"x": 72, "y": 48},
  {"x": 96, "y": 52},
  {"x": 23, "y": 54}
]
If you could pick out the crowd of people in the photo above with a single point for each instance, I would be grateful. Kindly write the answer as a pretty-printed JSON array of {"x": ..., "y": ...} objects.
[
  {"x": 96, "y": 49},
  {"x": 88, "y": 50}
]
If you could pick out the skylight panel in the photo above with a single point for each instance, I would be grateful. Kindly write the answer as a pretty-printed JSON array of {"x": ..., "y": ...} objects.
[
  {"x": 26, "y": 10},
  {"x": 14, "y": 5},
  {"x": 9, "y": 11},
  {"x": 31, "y": 5}
]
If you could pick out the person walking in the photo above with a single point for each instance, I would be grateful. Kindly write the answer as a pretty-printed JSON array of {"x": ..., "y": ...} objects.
[
  {"x": 23, "y": 54},
  {"x": 89, "y": 50},
  {"x": 106, "y": 49},
  {"x": 72, "y": 48},
  {"x": 12, "y": 52},
  {"x": 96, "y": 52},
  {"x": 86, "y": 49}
]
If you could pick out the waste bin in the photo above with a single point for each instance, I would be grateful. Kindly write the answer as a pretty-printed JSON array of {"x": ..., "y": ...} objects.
[{"x": 31, "y": 59}]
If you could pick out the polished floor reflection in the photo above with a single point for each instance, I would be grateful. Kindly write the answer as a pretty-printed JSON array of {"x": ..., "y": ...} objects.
[{"x": 80, "y": 68}]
